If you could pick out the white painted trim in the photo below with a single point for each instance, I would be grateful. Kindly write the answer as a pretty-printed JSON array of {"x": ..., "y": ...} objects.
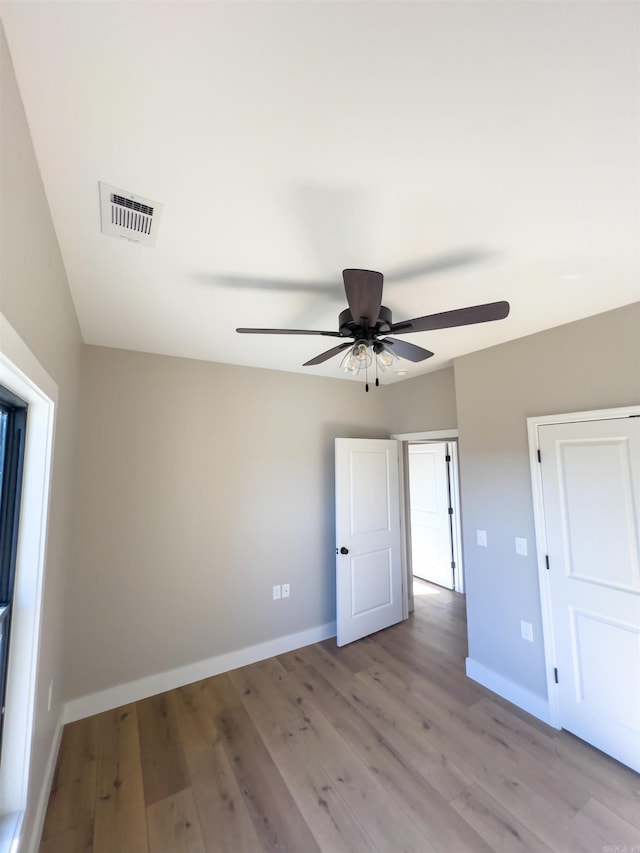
[
  {"x": 548, "y": 641},
  {"x": 595, "y": 415},
  {"x": 10, "y": 826},
  {"x": 133, "y": 691},
  {"x": 405, "y": 534},
  {"x": 22, "y": 374},
  {"x": 32, "y": 841},
  {"x": 24, "y": 361},
  {"x": 549, "y": 644},
  {"x": 457, "y": 517},
  {"x": 431, "y": 435},
  {"x": 509, "y": 690}
]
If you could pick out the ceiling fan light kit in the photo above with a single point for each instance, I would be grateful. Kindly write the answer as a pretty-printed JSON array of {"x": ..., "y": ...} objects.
[
  {"x": 366, "y": 319},
  {"x": 357, "y": 358}
]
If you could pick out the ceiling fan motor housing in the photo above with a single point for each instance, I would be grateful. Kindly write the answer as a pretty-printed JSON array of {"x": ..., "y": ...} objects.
[{"x": 349, "y": 326}]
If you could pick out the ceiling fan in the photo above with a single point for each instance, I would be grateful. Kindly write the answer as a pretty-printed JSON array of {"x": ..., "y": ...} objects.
[{"x": 367, "y": 322}]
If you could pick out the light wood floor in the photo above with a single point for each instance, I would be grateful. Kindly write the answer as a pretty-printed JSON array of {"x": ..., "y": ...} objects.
[{"x": 383, "y": 745}]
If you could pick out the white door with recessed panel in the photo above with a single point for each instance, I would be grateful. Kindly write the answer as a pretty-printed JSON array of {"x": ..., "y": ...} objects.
[
  {"x": 369, "y": 585},
  {"x": 591, "y": 492}
]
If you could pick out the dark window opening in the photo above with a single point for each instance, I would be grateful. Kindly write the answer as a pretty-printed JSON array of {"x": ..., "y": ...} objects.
[{"x": 13, "y": 422}]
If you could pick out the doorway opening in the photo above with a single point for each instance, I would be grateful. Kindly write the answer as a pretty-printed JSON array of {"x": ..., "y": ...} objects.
[
  {"x": 430, "y": 512},
  {"x": 432, "y": 532},
  {"x": 374, "y": 565}
]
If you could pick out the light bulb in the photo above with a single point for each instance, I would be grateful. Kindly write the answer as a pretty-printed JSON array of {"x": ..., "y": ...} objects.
[
  {"x": 386, "y": 358},
  {"x": 362, "y": 354},
  {"x": 357, "y": 358}
]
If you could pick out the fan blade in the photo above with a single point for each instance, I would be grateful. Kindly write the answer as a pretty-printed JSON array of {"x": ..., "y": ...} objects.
[
  {"x": 406, "y": 350},
  {"x": 364, "y": 294},
  {"x": 242, "y": 282},
  {"x": 448, "y": 319},
  {"x": 439, "y": 264},
  {"x": 288, "y": 332},
  {"x": 324, "y": 356}
]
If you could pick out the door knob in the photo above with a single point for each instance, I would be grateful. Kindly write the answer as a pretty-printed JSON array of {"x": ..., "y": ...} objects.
[{"x": 344, "y": 550}]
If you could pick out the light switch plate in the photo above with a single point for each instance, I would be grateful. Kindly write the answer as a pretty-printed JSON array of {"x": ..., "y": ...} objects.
[
  {"x": 482, "y": 538},
  {"x": 521, "y": 546},
  {"x": 526, "y": 630},
  {"x": 276, "y": 592}
]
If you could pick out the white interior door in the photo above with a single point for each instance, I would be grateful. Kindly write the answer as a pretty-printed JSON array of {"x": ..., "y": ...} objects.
[
  {"x": 368, "y": 551},
  {"x": 591, "y": 491},
  {"x": 431, "y": 552}
]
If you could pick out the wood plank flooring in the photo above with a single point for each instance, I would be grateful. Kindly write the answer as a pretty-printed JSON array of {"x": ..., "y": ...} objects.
[{"x": 383, "y": 745}]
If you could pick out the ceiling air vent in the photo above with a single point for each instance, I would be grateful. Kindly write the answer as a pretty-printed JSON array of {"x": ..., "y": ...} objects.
[{"x": 130, "y": 216}]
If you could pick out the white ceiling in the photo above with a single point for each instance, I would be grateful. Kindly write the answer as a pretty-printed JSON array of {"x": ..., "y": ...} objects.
[{"x": 288, "y": 140}]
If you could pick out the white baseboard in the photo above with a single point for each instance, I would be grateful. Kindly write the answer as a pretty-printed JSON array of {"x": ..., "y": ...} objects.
[
  {"x": 509, "y": 690},
  {"x": 31, "y": 841},
  {"x": 142, "y": 688}
]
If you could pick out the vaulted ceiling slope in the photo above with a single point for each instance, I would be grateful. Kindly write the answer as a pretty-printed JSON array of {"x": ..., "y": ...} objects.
[{"x": 471, "y": 152}]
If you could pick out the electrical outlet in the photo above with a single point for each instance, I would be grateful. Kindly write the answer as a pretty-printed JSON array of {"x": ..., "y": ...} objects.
[
  {"x": 482, "y": 538},
  {"x": 521, "y": 546},
  {"x": 276, "y": 592},
  {"x": 526, "y": 630},
  {"x": 285, "y": 590}
]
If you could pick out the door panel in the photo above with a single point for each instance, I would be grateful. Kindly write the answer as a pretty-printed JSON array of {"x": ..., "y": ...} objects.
[
  {"x": 371, "y": 582},
  {"x": 429, "y": 504},
  {"x": 369, "y": 576},
  {"x": 368, "y": 477},
  {"x": 596, "y": 640},
  {"x": 591, "y": 491},
  {"x": 609, "y": 555}
]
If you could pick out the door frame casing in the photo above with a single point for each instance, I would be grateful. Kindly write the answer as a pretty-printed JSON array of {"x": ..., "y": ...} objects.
[
  {"x": 22, "y": 373},
  {"x": 548, "y": 637},
  {"x": 440, "y": 435}
]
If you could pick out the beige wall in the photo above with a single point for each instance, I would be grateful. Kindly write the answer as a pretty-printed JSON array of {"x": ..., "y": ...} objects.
[
  {"x": 35, "y": 298},
  {"x": 590, "y": 364},
  {"x": 425, "y": 403},
  {"x": 201, "y": 486}
]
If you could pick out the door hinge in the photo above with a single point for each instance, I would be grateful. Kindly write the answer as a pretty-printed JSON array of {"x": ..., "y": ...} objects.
[
  {"x": 546, "y": 559},
  {"x": 453, "y": 564},
  {"x": 555, "y": 674},
  {"x": 450, "y": 510},
  {"x": 539, "y": 456},
  {"x": 447, "y": 458}
]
